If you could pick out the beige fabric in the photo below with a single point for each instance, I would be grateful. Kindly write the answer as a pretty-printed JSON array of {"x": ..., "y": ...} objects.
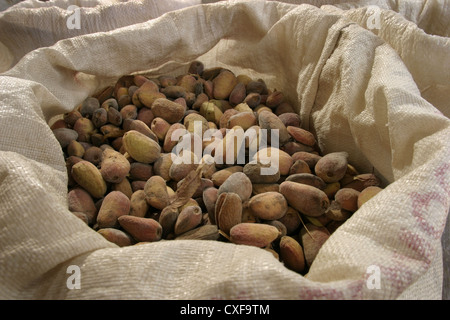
[
  {"x": 349, "y": 86},
  {"x": 33, "y": 24},
  {"x": 419, "y": 32}
]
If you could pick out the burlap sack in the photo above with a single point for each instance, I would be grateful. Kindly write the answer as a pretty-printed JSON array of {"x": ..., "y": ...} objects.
[
  {"x": 32, "y": 24},
  {"x": 419, "y": 32},
  {"x": 349, "y": 86}
]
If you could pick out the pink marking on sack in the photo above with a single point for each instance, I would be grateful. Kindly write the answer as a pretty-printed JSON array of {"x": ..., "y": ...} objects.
[
  {"x": 397, "y": 278},
  {"x": 421, "y": 210},
  {"x": 350, "y": 292},
  {"x": 441, "y": 173},
  {"x": 405, "y": 269},
  {"x": 418, "y": 244},
  {"x": 320, "y": 293}
]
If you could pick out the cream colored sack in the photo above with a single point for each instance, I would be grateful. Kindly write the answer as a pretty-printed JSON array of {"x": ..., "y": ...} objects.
[
  {"x": 419, "y": 32},
  {"x": 32, "y": 24},
  {"x": 348, "y": 86}
]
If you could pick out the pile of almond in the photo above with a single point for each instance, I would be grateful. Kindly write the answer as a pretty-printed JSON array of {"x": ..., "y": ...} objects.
[{"x": 206, "y": 155}]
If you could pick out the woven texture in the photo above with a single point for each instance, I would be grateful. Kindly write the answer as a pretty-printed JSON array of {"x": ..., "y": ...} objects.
[{"x": 358, "y": 90}]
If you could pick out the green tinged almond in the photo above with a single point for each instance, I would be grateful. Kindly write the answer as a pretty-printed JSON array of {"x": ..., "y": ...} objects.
[
  {"x": 140, "y": 147},
  {"x": 88, "y": 176}
]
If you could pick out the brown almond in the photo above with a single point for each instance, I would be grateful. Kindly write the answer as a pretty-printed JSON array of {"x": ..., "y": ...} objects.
[
  {"x": 292, "y": 147},
  {"x": 114, "y": 205},
  {"x": 258, "y": 188},
  {"x": 238, "y": 183},
  {"x": 74, "y": 148},
  {"x": 268, "y": 205},
  {"x": 280, "y": 158},
  {"x": 146, "y": 115},
  {"x": 301, "y": 135},
  {"x": 269, "y": 121},
  {"x": 307, "y": 199},
  {"x": 80, "y": 200},
  {"x": 189, "y": 218},
  {"x": 140, "y": 171},
  {"x": 313, "y": 238},
  {"x": 117, "y": 236},
  {"x": 290, "y": 119},
  {"x": 123, "y": 186},
  {"x": 141, "y": 229},
  {"x": 332, "y": 166},
  {"x": 258, "y": 172},
  {"x": 60, "y": 123},
  {"x": 253, "y": 234},
  {"x": 243, "y": 119},
  {"x": 129, "y": 112},
  {"x": 362, "y": 181},
  {"x": 138, "y": 204},
  {"x": 156, "y": 192},
  {"x": 299, "y": 166},
  {"x": 169, "y": 110},
  {"x": 367, "y": 194},
  {"x": 93, "y": 154},
  {"x": 291, "y": 254},
  {"x": 228, "y": 211},
  {"x": 347, "y": 199},
  {"x": 331, "y": 189},
  {"x": 291, "y": 220},
  {"x": 71, "y": 117},
  {"x": 161, "y": 167},
  {"x": 336, "y": 213},
  {"x": 205, "y": 232},
  {"x": 146, "y": 97},
  {"x": 310, "y": 158},
  {"x": 223, "y": 84},
  {"x": 284, "y": 107},
  {"x": 307, "y": 178},
  {"x": 274, "y": 99},
  {"x": 238, "y": 94},
  {"x": 173, "y": 135},
  {"x": 220, "y": 176},
  {"x": 167, "y": 219},
  {"x": 160, "y": 127},
  {"x": 114, "y": 166},
  {"x": 65, "y": 136},
  {"x": 210, "y": 196},
  {"x": 141, "y": 127}
]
